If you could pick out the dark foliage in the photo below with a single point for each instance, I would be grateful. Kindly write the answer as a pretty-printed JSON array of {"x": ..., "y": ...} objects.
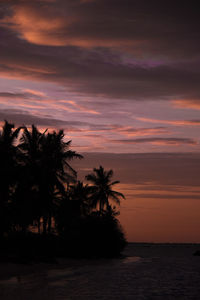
[
  {"x": 94, "y": 236},
  {"x": 44, "y": 210}
]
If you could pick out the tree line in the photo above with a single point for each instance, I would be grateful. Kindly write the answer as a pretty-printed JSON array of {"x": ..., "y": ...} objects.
[{"x": 39, "y": 190}]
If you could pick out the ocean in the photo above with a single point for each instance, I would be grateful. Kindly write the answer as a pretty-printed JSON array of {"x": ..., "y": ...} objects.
[{"x": 147, "y": 271}]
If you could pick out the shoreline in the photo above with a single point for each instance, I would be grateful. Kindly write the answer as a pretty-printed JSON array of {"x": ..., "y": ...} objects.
[{"x": 20, "y": 266}]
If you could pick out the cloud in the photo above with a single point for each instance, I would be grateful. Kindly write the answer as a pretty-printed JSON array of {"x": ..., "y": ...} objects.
[
  {"x": 36, "y": 99},
  {"x": 138, "y": 52},
  {"x": 131, "y": 131},
  {"x": 88, "y": 128},
  {"x": 27, "y": 94},
  {"x": 167, "y": 196},
  {"x": 174, "y": 169},
  {"x": 172, "y": 122},
  {"x": 81, "y": 107},
  {"x": 188, "y": 104},
  {"x": 20, "y": 117},
  {"x": 124, "y": 130},
  {"x": 158, "y": 141},
  {"x": 35, "y": 93},
  {"x": 34, "y": 23},
  {"x": 132, "y": 24}
]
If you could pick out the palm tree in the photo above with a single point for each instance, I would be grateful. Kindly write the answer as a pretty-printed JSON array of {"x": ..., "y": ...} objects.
[
  {"x": 47, "y": 156},
  {"x": 56, "y": 168},
  {"x": 8, "y": 165},
  {"x": 30, "y": 148},
  {"x": 82, "y": 194},
  {"x": 57, "y": 156},
  {"x": 8, "y": 157},
  {"x": 102, "y": 189},
  {"x": 30, "y": 145}
]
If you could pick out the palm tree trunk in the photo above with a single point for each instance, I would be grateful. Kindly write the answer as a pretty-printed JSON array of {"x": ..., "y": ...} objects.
[
  {"x": 39, "y": 223},
  {"x": 24, "y": 228},
  {"x": 44, "y": 225},
  {"x": 101, "y": 206},
  {"x": 107, "y": 204},
  {"x": 49, "y": 223}
]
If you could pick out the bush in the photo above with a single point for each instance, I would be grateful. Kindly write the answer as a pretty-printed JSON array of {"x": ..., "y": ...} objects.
[{"x": 94, "y": 236}]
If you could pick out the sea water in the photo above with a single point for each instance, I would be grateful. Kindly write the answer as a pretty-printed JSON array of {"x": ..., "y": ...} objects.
[{"x": 147, "y": 271}]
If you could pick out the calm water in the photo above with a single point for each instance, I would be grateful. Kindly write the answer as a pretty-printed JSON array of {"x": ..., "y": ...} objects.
[{"x": 148, "y": 272}]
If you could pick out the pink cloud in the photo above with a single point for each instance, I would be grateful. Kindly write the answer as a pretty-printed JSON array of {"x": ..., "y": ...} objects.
[
  {"x": 55, "y": 25},
  {"x": 187, "y": 103},
  {"x": 131, "y": 131},
  {"x": 36, "y": 25},
  {"x": 172, "y": 122},
  {"x": 158, "y": 141},
  {"x": 81, "y": 108},
  {"x": 34, "y": 92}
]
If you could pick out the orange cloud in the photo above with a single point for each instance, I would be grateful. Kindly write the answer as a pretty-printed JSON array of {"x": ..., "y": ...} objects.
[
  {"x": 34, "y": 92},
  {"x": 131, "y": 131},
  {"x": 188, "y": 104},
  {"x": 35, "y": 25},
  {"x": 172, "y": 122},
  {"x": 81, "y": 107},
  {"x": 50, "y": 25},
  {"x": 20, "y": 103},
  {"x": 36, "y": 99},
  {"x": 158, "y": 141}
]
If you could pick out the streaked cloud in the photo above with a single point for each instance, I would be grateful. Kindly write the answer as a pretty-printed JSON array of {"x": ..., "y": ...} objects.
[
  {"x": 178, "y": 170},
  {"x": 82, "y": 47},
  {"x": 25, "y": 117},
  {"x": 158, "y": 141},
  {"x": 133, "y": 25},
  {"x": 189, "y": 104},
  {"x": 26, "y": 94},
  {"x": 172, "y": 122},
  {"x": 81, "y": 107},
  {"x": 131, "y": 131},
  {"x": 20, "y": 117}
]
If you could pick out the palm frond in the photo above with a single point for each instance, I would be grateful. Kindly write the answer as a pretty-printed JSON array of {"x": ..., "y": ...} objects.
[{"x": 114, "y": 182}]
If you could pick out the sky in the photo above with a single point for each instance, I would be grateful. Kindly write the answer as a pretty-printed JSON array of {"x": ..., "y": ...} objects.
[{"x": 121, "y": 77}]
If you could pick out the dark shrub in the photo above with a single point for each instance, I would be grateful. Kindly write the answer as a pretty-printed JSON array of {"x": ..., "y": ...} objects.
[{"x": 94, "y": 236}]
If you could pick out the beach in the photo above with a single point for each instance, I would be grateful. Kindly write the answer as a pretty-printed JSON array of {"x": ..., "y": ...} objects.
[{"x": 147, "y": 271}]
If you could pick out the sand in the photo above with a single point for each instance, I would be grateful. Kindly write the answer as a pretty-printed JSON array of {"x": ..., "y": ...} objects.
[{"x": 150, "y": 271}]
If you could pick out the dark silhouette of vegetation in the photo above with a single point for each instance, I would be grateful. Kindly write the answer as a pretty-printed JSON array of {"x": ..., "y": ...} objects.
[
  {"x": 8, "y": 164},
  {"x": 102, "y": 189},
  {"x": 44, "y": 210}
]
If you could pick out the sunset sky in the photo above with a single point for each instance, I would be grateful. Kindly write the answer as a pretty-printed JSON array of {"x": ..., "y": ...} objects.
[{"x": 122, "y": 77}]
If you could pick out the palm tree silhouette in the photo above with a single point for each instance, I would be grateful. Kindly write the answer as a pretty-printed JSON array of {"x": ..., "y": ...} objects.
[
  {"x": 81, "y": 193},
  {"x": 102, "y": 189},
  {"x": 57, "y": 171},
  {"x": 47, "y": 157},
  {"x": 8, "y": 157},
  {"x": 57, "y": 155},
  {"x": 8, "y": 163},
  {"x": 37, "y": 183},
  {"x": 30, "y": 148}
]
